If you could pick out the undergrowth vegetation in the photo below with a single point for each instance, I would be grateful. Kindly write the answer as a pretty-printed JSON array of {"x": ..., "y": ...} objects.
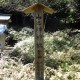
[
  {"x": 59, "y": 47},
  {"x": 61, "y": 54}
]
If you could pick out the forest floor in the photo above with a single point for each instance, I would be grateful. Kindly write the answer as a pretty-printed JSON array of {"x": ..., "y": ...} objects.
[{"x": 62, "y": 61}]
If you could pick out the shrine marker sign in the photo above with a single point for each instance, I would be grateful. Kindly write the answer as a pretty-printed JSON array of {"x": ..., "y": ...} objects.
[{"x": 38, "y": 9}]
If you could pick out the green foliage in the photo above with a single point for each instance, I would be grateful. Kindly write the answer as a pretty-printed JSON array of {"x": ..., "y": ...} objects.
[
  {"x": 24, "y": 48},
  {"x": 23, "y": 57},
  {"x": 60, "y": 47},
  {"x": 76, "y": 57},
  {"x": 68, "y": 9},
  {"x": 27, "y": 58},
  {"x": 23, "y": 33},
  {"x": 53, "y": 63},
  {"x": 15, "y": 53},
  {"x": 58, "y": 43},
  {"x": 65, "y": 67},
  {"x": 4, "y": 2}
]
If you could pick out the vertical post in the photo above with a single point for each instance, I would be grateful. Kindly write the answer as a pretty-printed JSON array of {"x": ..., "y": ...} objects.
[
  {"x": 38, "y": 9},
  {"x": 39, "y": 51}
]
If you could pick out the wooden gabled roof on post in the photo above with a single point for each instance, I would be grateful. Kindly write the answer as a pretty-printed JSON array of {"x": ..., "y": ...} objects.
[{"x": 36, "y": 5}]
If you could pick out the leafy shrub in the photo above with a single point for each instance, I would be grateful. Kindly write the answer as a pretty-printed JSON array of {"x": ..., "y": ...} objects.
[
  {"x": 59, "y": 47},
  {"x": 53, "y": 63},
  {"x": 27, "y": 58},
  {"x": 15, "y": 53},
  {"x": 65, "y": 67},
  {"x": 76, "y": 57}
]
